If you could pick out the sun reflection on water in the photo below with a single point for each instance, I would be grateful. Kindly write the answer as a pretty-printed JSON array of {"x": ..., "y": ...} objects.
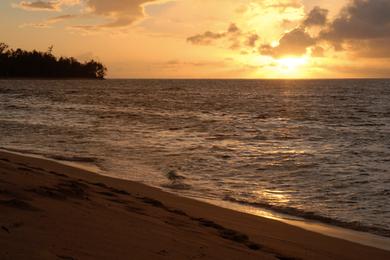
[{"x": 273, "y": 196}]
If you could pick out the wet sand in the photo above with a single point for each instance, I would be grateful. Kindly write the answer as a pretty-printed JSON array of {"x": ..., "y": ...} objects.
[{"x": 54, "y": 211}]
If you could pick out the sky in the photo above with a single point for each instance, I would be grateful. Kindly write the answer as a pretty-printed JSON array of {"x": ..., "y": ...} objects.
[{"x": 209, "y": 38}]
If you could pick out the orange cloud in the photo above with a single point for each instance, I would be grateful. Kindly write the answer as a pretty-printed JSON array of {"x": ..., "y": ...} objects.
[
  {"x": 120, "y": 13},
  {"x": 293, "y": 43},
  {"x": 48, "y": 22}
]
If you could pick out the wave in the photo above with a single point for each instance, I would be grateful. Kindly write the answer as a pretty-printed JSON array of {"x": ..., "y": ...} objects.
[
  {"x": 81, "y": 159},
  {"x": 313, "y": 216}
]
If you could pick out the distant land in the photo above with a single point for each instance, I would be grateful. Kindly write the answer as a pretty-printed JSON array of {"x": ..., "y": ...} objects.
[{"x": 36, "y": 64}]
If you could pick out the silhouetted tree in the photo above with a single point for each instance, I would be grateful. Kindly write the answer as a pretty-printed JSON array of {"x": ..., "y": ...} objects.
[{"x": 35, "y": 64}]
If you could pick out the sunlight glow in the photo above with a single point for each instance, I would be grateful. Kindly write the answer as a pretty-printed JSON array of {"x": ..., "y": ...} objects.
[
  {"x": 291, "y": 64},
  {"x": 286, "y": 67}
]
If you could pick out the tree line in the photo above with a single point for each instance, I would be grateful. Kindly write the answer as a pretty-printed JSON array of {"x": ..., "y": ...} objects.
[{"x": 36, "y": 64}]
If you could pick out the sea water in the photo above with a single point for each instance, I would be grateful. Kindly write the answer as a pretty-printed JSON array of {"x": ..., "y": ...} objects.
[{"x": 319, "y": 149}]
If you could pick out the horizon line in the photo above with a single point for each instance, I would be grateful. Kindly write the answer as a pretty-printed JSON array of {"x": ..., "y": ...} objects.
[{"x": 189, "y": 78}]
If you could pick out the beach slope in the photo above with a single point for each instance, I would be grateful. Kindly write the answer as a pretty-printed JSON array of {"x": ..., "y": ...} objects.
[{"x": 53, "y": 211}]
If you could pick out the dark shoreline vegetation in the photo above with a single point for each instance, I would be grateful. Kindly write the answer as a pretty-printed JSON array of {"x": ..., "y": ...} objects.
[{"x": 35, "y": 64}]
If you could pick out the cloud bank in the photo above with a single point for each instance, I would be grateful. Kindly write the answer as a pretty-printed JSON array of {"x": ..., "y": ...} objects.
[
  {"x": 362, "y": 28},
  {"x": 361, "y": 19},
  {"x": 117, "y": 13}
]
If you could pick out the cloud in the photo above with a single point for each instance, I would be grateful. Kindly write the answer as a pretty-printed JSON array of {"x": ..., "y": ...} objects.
[
  {"x": 362, "y": 28},
  {"x": 284, "y": 4},
  {"x": 39, "y": 5},
  {"x": 117, "y": 13},
  {"x": 209, "y": 37},
  {"x": 120, "y": 13},
  {"x": 60, "y": 18},
  {"x": 297, "y": 41},
  {"x": 317, "y": 51},
  {"x": 233, "y": 28},
  {"x": 237, "y": 39},
  {"x": 44, "y": 5},
  {"x": 371, "y": 48},
  {"x": 293, "y": 43},
  {"x": 361, "y": 19},
  {"x": 178, "y": 64},
  {"x": 252, "y": 39},
  {"x": 205, "y": 38},
  {"x": 316, "y": 17},
  {"x": 48, "y": 22}
]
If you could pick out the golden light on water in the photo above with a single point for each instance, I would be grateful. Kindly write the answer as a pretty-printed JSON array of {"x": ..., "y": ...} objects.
[{"x": 274, "y": 196}]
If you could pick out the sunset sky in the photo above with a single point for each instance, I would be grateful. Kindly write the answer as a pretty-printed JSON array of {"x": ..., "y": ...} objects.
[{"x": 209, "y": 38}]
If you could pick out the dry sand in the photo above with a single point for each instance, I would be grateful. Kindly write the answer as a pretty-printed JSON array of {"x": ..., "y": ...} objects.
[{"x": 53, "y": 211}]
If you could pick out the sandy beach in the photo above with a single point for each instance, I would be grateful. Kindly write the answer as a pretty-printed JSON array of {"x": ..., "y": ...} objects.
[{"x": 54, "y": 211}]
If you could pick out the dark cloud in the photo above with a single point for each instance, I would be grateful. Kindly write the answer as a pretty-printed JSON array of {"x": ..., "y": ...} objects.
[
  {"x": 372, "y": 48},
  {"x": 361, "y": 19},
  {"x": 237, "y": 39},
  {"x": 205, "y": 38},
  {"x": 293, "y": 43},
  {"x": 251, "y": 40},
  {"x": 209, "y": 37},
  {"x": 362, "y": 28},
  {"x": 316, "y": 17},
  {"x": 233, "y": 28}
]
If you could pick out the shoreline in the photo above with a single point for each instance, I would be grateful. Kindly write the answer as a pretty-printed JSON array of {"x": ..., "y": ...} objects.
[
  {"x": 344, "y": 232},
  {"x": 355, "y": 236},
  {"x": 252, "y": 79},
  {"x": 114, "y": 216},
  {"x": 51, "y": 79}
]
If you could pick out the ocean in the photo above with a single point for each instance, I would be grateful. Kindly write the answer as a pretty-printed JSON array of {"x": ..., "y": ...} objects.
[{"x": 317, "y": 149}]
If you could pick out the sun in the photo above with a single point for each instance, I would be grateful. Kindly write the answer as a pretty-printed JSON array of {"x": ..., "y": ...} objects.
[
  {"x": 290, "y": 64},
  {"x": 283, "y": 67}
]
